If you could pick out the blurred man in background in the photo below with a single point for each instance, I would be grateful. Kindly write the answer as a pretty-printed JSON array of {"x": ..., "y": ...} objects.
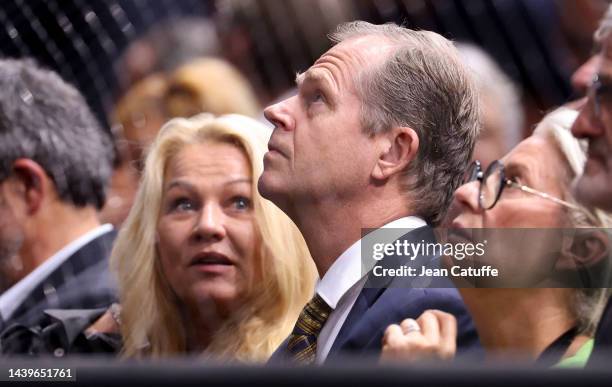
[
  {"x": 595, "y": 125},
  {"x": 55, "y": 162}
]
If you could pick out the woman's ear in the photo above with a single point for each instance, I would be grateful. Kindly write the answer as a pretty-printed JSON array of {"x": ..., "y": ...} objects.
[
  {"x": 585, "y": 249},
  {"x": 399, "y": 147}
]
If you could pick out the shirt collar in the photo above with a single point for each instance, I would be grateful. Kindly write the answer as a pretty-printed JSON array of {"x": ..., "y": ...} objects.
[
  {"x": 346, "y": 269},
  {"x": 13, "y": 297}
]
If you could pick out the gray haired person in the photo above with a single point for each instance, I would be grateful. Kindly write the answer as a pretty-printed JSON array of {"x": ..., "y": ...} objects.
[
  {"x": 594, "y": 123},
  {"x": 55, "y": 163}
]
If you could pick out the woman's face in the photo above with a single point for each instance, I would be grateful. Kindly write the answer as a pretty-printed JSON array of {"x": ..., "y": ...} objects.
[
  {"x": 535, "y": 162},
  {"x": 206, "y": 232},
  {"x": 526, "y": 253}
]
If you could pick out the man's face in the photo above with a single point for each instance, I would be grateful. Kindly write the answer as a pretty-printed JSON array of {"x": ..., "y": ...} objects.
[
  {"x": 11, "y": 234},
  {"x": 318, "y": 150},
  {"x": 595, "y": 124}
]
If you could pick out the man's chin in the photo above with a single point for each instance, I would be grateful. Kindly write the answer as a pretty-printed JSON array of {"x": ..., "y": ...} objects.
[
  {"x": 595, "y": 190},
  {"x": 265, "y": 185},
  {"x": 271, "y": 187}
]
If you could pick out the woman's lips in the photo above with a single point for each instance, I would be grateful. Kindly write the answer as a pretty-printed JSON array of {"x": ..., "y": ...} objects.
[{"x": 211, "y": 262}]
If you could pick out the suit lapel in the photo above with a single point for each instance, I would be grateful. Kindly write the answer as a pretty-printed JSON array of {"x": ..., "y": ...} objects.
[
  {"x": 368, "y": 296},
  {"x": 44, "y": 296}
]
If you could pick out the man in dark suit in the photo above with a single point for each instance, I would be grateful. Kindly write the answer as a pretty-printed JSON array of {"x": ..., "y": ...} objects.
[
  {"x": 379, "y": 135},
  {"x": 595, "y": 125},
  {"x": 55, "y": 162}
]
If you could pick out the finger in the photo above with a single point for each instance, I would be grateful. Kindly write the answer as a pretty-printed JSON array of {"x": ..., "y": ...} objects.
[
  {"x": 448, "y": 333},
  {"x": 430, "y": 327},
  {"x": 409, "y": 326},
  {"x": 393, "y": 335}
]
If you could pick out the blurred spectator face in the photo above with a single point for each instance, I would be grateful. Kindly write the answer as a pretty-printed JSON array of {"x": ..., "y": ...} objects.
[
  {"x": 140, "y": 114},
  {"x": 318, "y": 147},
  {"x": 595, "y": 124},
  {"x": 207, "y": 239}
]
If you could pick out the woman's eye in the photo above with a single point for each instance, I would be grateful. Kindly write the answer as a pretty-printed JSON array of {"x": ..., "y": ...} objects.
[
  {"x": 182, "y": 204},
  {"x": 241, "y": 203}
]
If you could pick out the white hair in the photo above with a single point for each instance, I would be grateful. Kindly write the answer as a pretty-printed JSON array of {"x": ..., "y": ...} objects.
[
  {"x": 496, "y": 88},
  {"x": 588, "y": 302}
]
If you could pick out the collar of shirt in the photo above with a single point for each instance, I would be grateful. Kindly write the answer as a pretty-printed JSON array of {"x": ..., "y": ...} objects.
[
  {"x": 346, "y": 270},
  {"x": 13, "y": 297}
]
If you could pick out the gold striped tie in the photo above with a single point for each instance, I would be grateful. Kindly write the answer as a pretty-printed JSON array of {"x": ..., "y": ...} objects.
[{"x": 303, "y": 340}]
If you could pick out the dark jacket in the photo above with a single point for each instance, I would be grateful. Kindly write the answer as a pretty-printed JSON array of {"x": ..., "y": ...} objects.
[
  {"x": 60, "y": 333},
  {"x": 389, "y": 301},
  {"x": 83, "y": 281}
]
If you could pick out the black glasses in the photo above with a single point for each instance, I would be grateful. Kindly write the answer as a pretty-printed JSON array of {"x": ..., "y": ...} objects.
[
  {"x": 493, "y": 181},
  {"x": 599, "y": 94}
]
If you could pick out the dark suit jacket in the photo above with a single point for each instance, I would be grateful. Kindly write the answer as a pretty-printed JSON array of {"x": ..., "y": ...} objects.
[
  {"x": 391, "y": 300},
  {"x": 83, "y": 281}
]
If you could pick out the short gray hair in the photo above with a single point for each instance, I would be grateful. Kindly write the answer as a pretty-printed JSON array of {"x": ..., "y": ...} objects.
[
  {"x": 423, "y": 85},
  {"x": 44, "y": 119}
]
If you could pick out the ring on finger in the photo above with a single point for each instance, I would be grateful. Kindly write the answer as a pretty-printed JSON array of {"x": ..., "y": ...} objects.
[{"x": 411, "y": 326}]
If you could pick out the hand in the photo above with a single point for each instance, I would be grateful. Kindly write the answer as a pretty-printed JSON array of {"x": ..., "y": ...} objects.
[
  {"x": 107, "y": 323},
  {"x": 432, "y": 336}
]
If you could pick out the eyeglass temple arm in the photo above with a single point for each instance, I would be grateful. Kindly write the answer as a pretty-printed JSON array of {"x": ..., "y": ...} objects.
[{"x": 541, "y": 194}]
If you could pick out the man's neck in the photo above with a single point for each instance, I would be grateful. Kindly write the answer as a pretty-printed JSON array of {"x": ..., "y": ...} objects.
[
  {"x": 331, "y": 228},
  {"x": 523, "y": 321},
  {"x": 53, "y": 230}
]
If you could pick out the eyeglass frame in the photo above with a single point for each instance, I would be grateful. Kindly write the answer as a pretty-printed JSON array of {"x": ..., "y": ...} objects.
[
  {"x": 594, "y": 91},
  {"x": 480, "y": 175}
]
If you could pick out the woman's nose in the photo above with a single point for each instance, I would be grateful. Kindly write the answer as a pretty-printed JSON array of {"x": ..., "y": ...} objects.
[
  {"x": 210, "y": 224},
  {"x": 466, "y": 197}
]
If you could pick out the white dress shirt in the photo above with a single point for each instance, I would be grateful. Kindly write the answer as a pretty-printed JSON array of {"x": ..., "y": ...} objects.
[
  {"x": 14, "y": 296},
  {"x": 342, "y": 283}
]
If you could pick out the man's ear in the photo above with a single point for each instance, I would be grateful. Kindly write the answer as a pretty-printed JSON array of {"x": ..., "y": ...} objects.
[
  {"x": 32, "y": 183},
  {"x": 587, "y": 248},
  {"x": 399, "y": 149}
]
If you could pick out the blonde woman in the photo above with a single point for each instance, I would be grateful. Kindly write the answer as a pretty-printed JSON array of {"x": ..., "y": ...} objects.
[{"x": 204, "y": 263}]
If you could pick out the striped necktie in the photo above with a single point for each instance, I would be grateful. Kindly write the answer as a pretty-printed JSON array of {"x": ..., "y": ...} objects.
[{"x": 302, "y": 343}]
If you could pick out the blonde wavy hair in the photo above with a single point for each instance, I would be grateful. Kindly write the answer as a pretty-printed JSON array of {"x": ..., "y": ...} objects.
[{"x": 151, "y": 320}]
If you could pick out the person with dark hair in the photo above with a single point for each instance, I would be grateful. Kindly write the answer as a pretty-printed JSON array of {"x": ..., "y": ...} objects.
[
  {"x": 55, "y": 163},
  {"x": 379, "y": 134}
]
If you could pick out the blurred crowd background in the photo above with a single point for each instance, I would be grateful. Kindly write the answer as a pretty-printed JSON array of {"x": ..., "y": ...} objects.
[{"x": 106, "y": 47}]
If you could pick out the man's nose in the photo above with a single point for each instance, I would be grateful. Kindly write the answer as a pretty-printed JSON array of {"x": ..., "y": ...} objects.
[{"x": 279, "y": 115}]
